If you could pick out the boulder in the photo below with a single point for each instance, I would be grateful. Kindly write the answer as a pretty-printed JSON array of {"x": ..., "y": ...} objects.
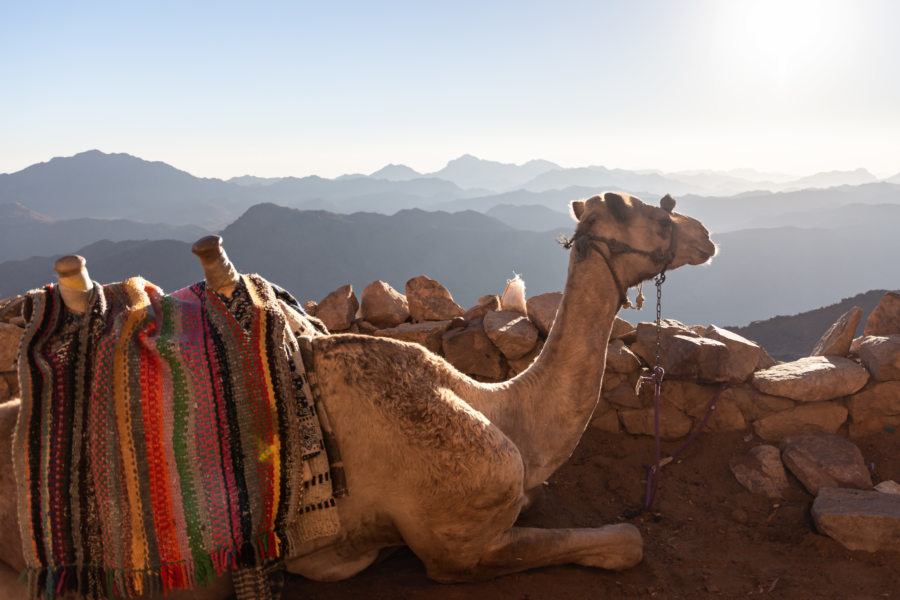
[
  {"x": 885, "y": 319},
  {"x": 511, "y": 332},
  {"x": 821, "y": 460},
  {"x": 620, "y": 359},
  {"x": 520, "y": 364},
  {"x": 836, "y": 341},
  {"x": 761, "y": 471},
  {"x": 673, "y": 424},
  {"x": 694, "y": 400},
  {"x": 812, "y": 379},
  {"x": 485, "y": 305},
  {"x": 888, "y": 487},
  {"x": 542, "y": 310},
  {"x": 430, "y": 301},
  {"x": 753, "y": 404},
  {"x": 11, "y": 308},
  {"x": 858, "y": 519},
  {"x": 622, "y": 395},
  {"x": 470, "y": 350},
  {"x": 9, "y": 345},
  {"x": 310, "y": 307},
  {"x": 690, "y": 357},
  {"x": 607, "y": 421},
  {"x": 818, "y": 417},
  {"x": 363, "y": 327},
  {"x": 620, "y": 328},
  {"x": 881, "y": 355},
  {"x": 743, "y": 355},
  {"x": 383, "y": 306},
  {"x": 428, "y": 334},
  {"x": 5, "y": 392},
  {"x": 874, "y": 408},
  {"x": 338, "y": 309}
]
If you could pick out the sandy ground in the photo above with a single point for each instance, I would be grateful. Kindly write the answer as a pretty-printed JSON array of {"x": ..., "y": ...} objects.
[{"x": 707, "y": 537}]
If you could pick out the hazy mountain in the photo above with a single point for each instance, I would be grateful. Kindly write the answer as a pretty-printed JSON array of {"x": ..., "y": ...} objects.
[
  {"x": 25, "y": 233},
  {"x": 600, "y": 179},
  {"x": 470, "y": 172},
  {"x": 394, "y": 172},
  {"x": 251, "y": 181},
  {"x": 833, "y": 179},
  {"x": 94, "y": 184},
  {"x": 792, "y": 337},
  {"x": 532, "y": 217},
  {"x": 894, "y": 179}
]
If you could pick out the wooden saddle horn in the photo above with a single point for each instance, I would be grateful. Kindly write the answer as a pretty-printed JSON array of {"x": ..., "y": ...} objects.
[
  {"x": 75, "y": 284},
  {"x": 220, "y": 274}
]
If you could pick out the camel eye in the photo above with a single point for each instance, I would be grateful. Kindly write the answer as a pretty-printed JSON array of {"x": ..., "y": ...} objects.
[{"x": 665, "y": 226}]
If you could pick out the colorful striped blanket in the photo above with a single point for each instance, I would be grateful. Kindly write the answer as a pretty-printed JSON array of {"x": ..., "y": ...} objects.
[{"x": 161, "y": 440}]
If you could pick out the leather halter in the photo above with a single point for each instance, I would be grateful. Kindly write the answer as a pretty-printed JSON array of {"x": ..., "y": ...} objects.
[{"x": 586, "y": 241}]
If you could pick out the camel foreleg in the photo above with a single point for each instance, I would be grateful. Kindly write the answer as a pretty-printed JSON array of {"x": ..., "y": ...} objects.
[{"x": 613, "y": 547}]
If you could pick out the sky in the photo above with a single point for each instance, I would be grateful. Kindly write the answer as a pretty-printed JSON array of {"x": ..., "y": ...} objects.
[{"x": 222, "y": 89}]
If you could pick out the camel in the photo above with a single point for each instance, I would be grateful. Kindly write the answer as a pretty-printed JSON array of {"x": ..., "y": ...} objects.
[{"x": 444, "y": 464}]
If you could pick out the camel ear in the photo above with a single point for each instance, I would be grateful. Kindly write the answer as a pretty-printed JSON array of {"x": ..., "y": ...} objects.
[
  {"x": 617, "y": 206},
  {"x": 576, "y": 208}
]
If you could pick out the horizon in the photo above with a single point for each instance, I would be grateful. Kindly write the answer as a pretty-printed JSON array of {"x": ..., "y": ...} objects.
[{"x": 296, "y": 89}]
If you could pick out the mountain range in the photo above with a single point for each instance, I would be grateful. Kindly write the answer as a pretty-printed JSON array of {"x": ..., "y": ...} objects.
[{"x": 781, "y": 252}]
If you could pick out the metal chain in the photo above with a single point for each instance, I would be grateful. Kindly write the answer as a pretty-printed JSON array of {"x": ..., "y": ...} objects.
[{"x": 660, "y": 279}]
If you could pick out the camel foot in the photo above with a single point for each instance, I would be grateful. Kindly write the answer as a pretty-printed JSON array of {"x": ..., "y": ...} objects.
[{"x": 621, "y": 548}]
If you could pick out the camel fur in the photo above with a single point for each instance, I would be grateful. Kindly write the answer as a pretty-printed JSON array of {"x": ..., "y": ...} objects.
[{"x": 444, "y": 464}]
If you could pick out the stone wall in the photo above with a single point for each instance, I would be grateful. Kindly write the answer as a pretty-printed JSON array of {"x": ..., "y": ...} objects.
[{"x": 847, "y": 385}]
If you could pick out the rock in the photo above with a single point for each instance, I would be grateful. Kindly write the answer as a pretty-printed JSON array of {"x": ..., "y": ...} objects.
[
  {"x": 383, "y": 306},
  {"x": 430, "y": 301},
  {"x": 687, "y": 357},
  {"x": 821, "y": 460},
  {"x": 874, "y": 408},
  {"x": 511, "y": 332},
  {"x": 513, "y": 297},
  {"x": 620, "y": 328},
  {"x": 9, "y": 345},
  {"x": 761, "y": 471},
  {"x": 310, "y": 307},
  {"x": 608, "y": 421},
  {"x": 622, "y": 395},
  {"x": 858, "y": 519},
  {"x": 11, "y": 308},
  {"x": 673, "y": 424},
  {"x": 521, "y": 364},
  {"x": 836, "y": 341},
  {"x": 753, "y": 404},
  {"x": 471, "y": 351},
  {"x": 888, "y": 487},
  {"x": 812, "y": 379},
  {"x": 428, "y": 334},
  {"x": 338, "y": 309},
  {"x": 542, "y": 310},
  {"x": 819, "y": 417},
  {"x": 765, "y": 360},
  {"x": 620, "y": 359},
  {"x": 743, "y": 355},
  {"x": 694, "y": 400},
  {"x": 485, "y": 305},
  {"x": 5, "y": 392},
  {"x": 364, "y": 327},
  {"x": 881, "y": 355},
  {"x": 885, "y": 319}
]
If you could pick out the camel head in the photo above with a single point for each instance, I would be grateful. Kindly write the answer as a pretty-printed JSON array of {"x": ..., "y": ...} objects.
[{"x": 637, "y": 240}]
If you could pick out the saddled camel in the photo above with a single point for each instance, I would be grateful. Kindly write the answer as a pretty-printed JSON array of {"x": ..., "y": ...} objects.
[{"x": 444, "y": 464}]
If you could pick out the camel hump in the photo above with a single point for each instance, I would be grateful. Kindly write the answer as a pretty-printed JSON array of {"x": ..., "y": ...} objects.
[{"x": 220, "y": 274}]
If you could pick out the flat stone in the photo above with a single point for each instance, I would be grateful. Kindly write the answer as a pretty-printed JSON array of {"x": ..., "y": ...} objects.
[
  {"x": 542, "y": 310},
  {"x": 761, "y": 471},
  {"x": 753, "y": 404},
  {"x": 743, "y": 355},
  {"x": 428, "y": 334},
  {"x": 812, "y": 379},
  {"x": 836, "y": 341},
  {"x": 607, "y": 421},
  {"x": 874, "y": 408},
  {"x": 383, "y": 306},
  {"x": 819, "y": 417},
  {"x": 622, "y": 395},
  {"x": 858, "y": 519},
  {"x": 881, "y": 355},
  {"x": 620, "y": 359},
  {"x": 11, "y": 308},
  {"x": 430, "y": 301},
  {"x": 825, "y": 460},
  {"x": 885, "y": 319},
  {"x": 471, "y": 351},
  {"x": 888, "y": 487},
  {"x": 511, "y": 332},
  {"x": 673, "y": 424},
  {"x": 9, "y": 345},
  {"x": 338, "y": 309},
  {"x": 5, "y": 392},
  {"x": 620, "y": 328},
  {"x": 310, "y": 307},
  {"x": 694, "y": 400},
  {"x": 485, "y": 305}
]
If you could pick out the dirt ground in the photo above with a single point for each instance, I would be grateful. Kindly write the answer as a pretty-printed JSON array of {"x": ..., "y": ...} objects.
[{"x": 707, "y": 537}]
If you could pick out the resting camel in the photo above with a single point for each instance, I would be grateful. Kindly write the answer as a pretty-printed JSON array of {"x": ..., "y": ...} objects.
[{"x": 444, "y": 464}]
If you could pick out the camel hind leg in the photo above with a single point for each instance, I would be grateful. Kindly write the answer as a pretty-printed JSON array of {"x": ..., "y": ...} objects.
[{"x": 614, "y": 547}]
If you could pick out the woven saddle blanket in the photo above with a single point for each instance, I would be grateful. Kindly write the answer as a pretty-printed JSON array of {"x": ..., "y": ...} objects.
[{"x": 161, "y": 439}]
